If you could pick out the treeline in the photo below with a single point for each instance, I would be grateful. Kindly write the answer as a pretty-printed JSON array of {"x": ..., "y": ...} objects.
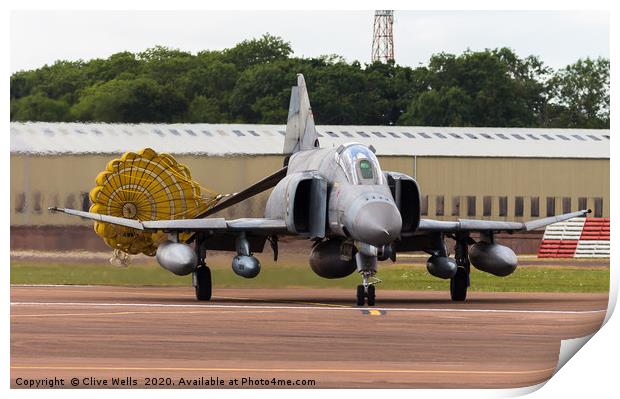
[{"x": 250, "y": 83}]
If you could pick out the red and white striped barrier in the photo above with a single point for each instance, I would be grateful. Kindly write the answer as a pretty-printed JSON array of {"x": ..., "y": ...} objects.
[{"x": 576, "y": 238}]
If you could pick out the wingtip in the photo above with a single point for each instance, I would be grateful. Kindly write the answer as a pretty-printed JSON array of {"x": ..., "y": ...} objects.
[{"x": 52, "y": 209}]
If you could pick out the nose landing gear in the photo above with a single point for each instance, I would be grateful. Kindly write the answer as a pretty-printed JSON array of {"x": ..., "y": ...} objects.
[
  {"x": 366, "y": 290},
  {"x": 366, "y": 260}
]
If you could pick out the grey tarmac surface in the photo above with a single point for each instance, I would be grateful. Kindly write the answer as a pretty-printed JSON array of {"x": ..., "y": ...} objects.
[{"x": 410, "y": 340}]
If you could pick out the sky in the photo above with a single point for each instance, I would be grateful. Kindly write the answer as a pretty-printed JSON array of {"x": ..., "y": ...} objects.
[{"x": 559, "y": 38}]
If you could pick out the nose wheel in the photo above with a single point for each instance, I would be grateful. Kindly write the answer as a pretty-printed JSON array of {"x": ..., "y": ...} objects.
[{"x": 366, "y": 290}]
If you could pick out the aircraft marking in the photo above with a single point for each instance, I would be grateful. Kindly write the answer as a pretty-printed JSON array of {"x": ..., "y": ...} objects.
[{"x": 374, "y": 312}]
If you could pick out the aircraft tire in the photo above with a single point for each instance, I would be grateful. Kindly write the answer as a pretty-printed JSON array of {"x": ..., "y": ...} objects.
[
  {"x": 361, "y": 295},
  {"x": 203, "y": 286},
  {"x": 371, "y": 295},
  {"x": 458, "y": 285}
]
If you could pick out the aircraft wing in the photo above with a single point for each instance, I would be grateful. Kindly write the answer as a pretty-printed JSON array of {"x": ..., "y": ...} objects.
[
  {"x": 259, "y": 226},
  {"x": 464, "y": 225}
]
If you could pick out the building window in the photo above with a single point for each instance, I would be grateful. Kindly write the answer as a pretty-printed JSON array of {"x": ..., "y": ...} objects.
[
  {"x": 550, "y": 206},
  {"x": 566, "y": 205},
  {"x": 471, "y": 205},
  {"x": 583, "y": 203},
  {"x": 363, "y": 134},
  {"x": 535, "y": 207},
  {"x": 407, "y": 134},
  {"x": 518, "y": 206},
  {"x": 378, "y": 134},
  {"x": 85, "y": 202},
  {"x": 439, "y": 205},
  {"x": 238, "y": 133},
  {"x": 424, "y": 205},
  {"x": 487, "y": 205},
  {"x": 598, "y": 207},
  {"x": 456, "y": 206},
  {"x": 36, "y": 202},
  {"x": 20, "y": 203},
  {"x": 503, "y": 206},
  {"x": 347, "y": 134}
]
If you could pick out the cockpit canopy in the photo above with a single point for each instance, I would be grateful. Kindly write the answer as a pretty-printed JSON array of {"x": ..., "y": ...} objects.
[{"x": 360, "y": 165}]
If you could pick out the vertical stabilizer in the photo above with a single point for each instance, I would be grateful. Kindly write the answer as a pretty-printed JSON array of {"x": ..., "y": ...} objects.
[{"x": 300, "y": 131}]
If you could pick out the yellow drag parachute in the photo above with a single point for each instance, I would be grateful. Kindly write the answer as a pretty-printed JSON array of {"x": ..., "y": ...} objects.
[{"x": 145, "y": 186}]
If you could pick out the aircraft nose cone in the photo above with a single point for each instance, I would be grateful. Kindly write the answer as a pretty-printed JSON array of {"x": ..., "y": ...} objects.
[{"x": 376, "y": 223}]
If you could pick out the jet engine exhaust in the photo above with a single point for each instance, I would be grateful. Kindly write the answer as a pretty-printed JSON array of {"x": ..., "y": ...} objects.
[{"x": 176, "y": 257}]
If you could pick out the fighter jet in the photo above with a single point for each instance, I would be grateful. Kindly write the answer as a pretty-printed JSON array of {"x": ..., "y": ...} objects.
[{"x": 355, "y": 213}]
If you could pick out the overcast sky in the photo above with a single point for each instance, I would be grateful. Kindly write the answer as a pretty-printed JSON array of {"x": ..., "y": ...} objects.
[{"x": 558, "y": 37}]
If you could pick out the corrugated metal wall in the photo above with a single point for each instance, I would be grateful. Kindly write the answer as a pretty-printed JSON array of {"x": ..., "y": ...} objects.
[{"x": 41, "y": 181}]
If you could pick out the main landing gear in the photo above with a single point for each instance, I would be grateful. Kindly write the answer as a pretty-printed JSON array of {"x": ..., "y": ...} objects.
[
  {"x": 201, "y": 277},
  {"x": 460, "y": 281},
  {"x": 202, "y": 282}
]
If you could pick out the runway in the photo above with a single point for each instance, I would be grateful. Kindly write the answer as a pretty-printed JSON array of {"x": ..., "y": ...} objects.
[{"x": 294, "y": 338}]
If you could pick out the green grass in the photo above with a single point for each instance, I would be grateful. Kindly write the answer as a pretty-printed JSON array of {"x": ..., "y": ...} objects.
[{"x": 397, "y": 277}]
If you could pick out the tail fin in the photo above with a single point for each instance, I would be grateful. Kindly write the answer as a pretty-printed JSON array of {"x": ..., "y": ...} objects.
[{"x": 300, "y": 131}]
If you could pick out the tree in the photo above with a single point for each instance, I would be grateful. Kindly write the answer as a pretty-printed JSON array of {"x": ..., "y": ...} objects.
[
  {"x": 580, "y": 95},
  {"x": 137, "y": 100},
  {"x": 38, "y": 107},
  {"x": 258, "y": 51},
  {"x": 204, "y": 110},
  {"x": 488, "y": 88},
  {"x": 271, "y": 81},
  {"x": 251, "y": 82}
]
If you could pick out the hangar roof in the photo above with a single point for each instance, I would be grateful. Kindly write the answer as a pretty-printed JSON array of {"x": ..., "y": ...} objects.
[{"x": 233, "y": 139}]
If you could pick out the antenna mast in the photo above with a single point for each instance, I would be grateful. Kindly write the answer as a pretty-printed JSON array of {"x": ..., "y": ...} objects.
[{"x": 383, "y": 38}]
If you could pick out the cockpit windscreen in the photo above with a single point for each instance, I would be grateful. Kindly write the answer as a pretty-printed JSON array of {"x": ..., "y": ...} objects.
[{"x": 360, "y": 165}]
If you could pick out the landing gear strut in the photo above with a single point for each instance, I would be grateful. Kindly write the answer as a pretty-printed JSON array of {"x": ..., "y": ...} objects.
[
  {"x": 460, "y": 281},
  {"x": 201, "y": 277},
  {"x": 366, "y": 260}
]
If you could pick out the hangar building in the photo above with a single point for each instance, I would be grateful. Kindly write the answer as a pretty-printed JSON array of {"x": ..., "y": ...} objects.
[{"x": 485, "y": 173}]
